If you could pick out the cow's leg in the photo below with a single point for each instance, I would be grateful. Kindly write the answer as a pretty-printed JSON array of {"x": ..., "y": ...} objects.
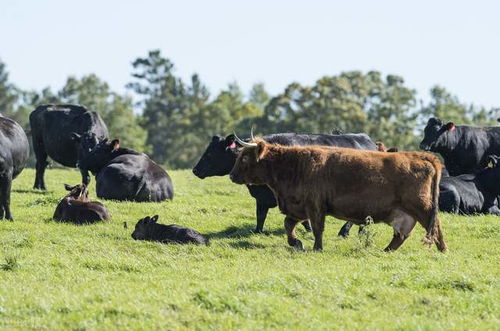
[
  {"x": 41, "y": 164},
  {"x": 290, "y": 224},
  {"x": 403, "y": 224},
  {"x": 344, "y": 231},
  {"x": 307, "y": 225},
  {"x": 261, "y": 212},
  {"x": 85, "y": 177},
  {"x": 5, "y": 186},
  {"x": 440, "y": 244},
  {"x": 318, "y": 225}
]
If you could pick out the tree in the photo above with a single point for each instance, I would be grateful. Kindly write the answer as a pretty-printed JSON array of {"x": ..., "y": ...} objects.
[
  {"x": 117, "y": 111},
  {"x": 8, "y": 96}
]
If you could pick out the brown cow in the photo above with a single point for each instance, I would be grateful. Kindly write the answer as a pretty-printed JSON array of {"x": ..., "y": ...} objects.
[
  {"x": 310, "y": 182},
  {"x": 76, "y": 207}
]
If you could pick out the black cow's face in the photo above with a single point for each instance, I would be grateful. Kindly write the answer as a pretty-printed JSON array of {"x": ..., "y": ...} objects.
[
  {"x": 219, "y": 157},
  {"x": 141, "y": 228},
  {"x": 99, "y": 156},
  {"x": 249, "y": 168},
  {"x": 434, "y": 132},
  {"x": 85, "y": 143}
]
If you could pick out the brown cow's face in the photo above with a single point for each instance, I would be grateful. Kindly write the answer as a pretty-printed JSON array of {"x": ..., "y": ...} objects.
[
  {"x": 249, "y": 168},
  {"x": 78, "y": 192}
]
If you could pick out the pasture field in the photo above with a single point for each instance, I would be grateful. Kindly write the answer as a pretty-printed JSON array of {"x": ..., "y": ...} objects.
[{"x": 59, "y": 276}]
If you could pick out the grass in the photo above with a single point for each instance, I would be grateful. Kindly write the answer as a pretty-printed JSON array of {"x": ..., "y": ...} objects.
[{"x": 62, "y": 276}]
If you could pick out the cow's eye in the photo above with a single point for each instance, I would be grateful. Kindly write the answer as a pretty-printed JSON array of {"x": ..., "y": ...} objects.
[{"x": 244, "y": 159}]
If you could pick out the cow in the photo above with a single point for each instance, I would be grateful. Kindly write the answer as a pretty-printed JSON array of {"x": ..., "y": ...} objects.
[
  {"x": 470, "y": 194},
  {"x": 14, "y": 153},
  {"x": 65, "y": 133},
  {"x": 463, "y": 148},
  {"x": 311, "y": 182},
  {"x": 220, "y": 156},
  {"x": 124, "y": 174},
  {"x": 77, "y": 208},
  {"x": 148, "y": 229}
]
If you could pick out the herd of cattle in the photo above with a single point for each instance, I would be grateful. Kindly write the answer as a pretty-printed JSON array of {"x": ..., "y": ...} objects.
[{"x": 308, "y": 176}]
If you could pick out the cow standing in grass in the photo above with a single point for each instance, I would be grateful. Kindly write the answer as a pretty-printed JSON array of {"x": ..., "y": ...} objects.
[
  {"x": 220, "y": 157},
  {"x": 65, "y": 133},
  {"x": 311, "y": 182},
  {"x": 14, "y": 153}
]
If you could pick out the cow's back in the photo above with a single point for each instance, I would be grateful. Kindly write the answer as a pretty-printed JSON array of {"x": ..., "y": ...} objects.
[
  {"x": 133, "y": 177},
  {"x": 52, "y": 126},
  {"x": 349, "y": 140}
]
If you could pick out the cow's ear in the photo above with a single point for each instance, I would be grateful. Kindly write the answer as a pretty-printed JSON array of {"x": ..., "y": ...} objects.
[
  {"x": 68, "y": 187},
  {"x": 261, "y": 150},
  {"x": 491, "y": 161},
  {"x": 154, "y": 219},
  {"x": 450, "y": 126},
  {"x": 75, "y": 136},
  {"x": 230, "y": 142},
  {"x": 115, "y": 144}
]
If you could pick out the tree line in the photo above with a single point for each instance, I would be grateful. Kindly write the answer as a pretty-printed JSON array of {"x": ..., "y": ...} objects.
[{"x": 174, "y": 119}]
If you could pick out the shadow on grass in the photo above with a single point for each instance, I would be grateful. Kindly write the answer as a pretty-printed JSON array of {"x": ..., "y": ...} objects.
[
  {"x": 31, "y": 191},
  {"x": 245, "y": 244},
  {"x": 244, "y": 231}
]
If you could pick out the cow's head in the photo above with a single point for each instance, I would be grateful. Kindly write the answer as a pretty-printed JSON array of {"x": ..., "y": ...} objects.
[
  {"x": 78, "y": 192},
  {"x": 219, "y": 157},
  {"x": 99, "y": 156},
  {"x": 84, "y": 142},
  {"x": 435, "y": 133},
  {"x": 142, "y": 227},
  {"x": 250, "y": 164}
]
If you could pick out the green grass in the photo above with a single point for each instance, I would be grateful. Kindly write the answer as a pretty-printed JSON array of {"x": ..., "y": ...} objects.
[{"x": 62, "y": 276}]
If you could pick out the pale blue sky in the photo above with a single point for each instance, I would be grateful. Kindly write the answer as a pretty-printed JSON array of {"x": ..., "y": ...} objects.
[{"x": 452, "y": 43}]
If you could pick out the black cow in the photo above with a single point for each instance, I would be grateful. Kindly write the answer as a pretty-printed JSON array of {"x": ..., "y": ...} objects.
[
  {"x": 220, "y": 156},
  {"x": 14, "y": 153},
  {"x": 65, "y": 133},
  {"x": 148, "y": 229},
  {"x": 124, "y": 174},
  {"x": 463, "y": 148},
  {"x": 472, "y": 193}
]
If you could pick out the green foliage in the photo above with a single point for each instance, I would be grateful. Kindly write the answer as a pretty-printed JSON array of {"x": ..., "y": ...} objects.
[
  {"x": 61, "y": 276},
  {"x": 174, "y": 119}
]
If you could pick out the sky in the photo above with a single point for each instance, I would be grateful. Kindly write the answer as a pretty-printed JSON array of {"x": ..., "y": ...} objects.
[{"x": 455, "y": 44}]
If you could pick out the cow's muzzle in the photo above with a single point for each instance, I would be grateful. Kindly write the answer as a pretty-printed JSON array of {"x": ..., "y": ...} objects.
[
  {"x": 425, "y": 147},
  {"x": 236, "y": 179}
]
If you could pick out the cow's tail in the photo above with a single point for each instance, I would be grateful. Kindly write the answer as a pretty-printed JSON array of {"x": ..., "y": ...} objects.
[{"x": 433, "y": 219}]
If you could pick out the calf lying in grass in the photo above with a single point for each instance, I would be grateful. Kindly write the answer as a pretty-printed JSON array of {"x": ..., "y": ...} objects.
[
  {"x": 148, "y": 229},
  {"x": 77, "y": 208}
]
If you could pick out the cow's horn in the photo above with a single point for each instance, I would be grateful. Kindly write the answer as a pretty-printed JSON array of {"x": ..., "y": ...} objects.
[
  {"x": 251, "y": 134},
  {"x": 244, "y": 143}
]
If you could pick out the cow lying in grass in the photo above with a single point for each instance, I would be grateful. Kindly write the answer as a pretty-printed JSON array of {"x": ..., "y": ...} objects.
[
  {"x": 77, "y": 208},
  {"x": 311, "y": 182},
  {"x": 148, "y": 229},
  {"x": 124, "y": 174},
  {"x": 472, "y": 193}
]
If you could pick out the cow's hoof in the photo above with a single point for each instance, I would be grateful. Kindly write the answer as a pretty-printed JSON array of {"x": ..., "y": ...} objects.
[
  {"x": 258, "y": 231},
  {"x": 298, "y": 245}
]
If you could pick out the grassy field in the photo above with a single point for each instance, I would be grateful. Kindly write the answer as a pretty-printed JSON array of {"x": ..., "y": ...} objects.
[{"x": 61, "y": 276}]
